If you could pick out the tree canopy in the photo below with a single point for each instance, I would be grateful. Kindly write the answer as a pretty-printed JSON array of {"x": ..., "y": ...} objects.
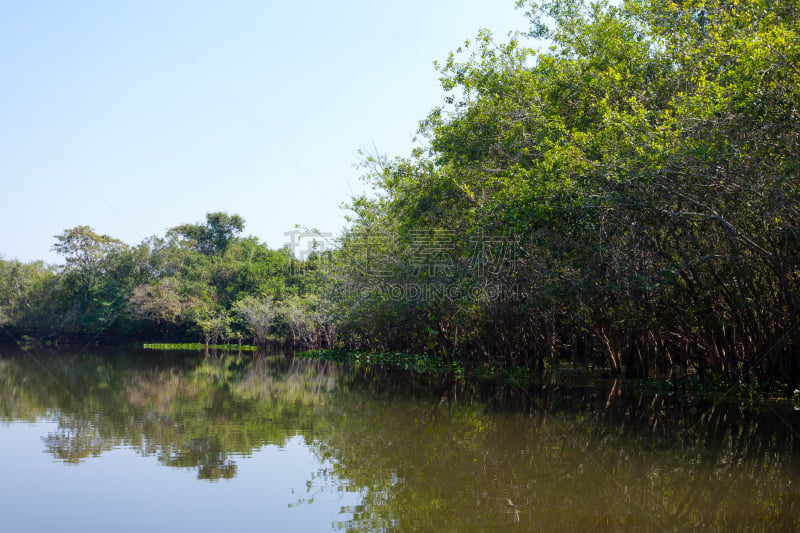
[
  {"x": 635, "y": 183},
  {"x": 212, "y": 237}
]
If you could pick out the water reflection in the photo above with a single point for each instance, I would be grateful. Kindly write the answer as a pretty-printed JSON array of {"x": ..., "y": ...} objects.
[
  {"x": 187, "y": 411},
  {"x": 425, "y": 452},
  {"x": 436, "y": 454},
  {"x": 566, "y": 458}
]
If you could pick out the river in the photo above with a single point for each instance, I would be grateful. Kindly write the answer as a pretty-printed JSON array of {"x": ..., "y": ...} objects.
[{"x": 128, "y": 439}]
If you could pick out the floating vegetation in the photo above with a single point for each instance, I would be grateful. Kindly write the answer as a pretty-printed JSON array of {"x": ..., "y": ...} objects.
[
  {"x": 414, "y": 362},
  {"x": 421, "y": 363},
  {"x": 199, "y": 346},
  {"x": 718, "y": 388}
]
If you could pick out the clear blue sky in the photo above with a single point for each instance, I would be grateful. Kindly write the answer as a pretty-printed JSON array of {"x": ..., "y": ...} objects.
[{"x": 136, "y": 116}]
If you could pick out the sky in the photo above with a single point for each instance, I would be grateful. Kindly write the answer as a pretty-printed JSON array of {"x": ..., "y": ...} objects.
[{"x": 133, "y": 117}]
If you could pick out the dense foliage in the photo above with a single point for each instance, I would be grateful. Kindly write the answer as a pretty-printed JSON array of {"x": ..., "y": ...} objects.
[
  {"x": 200, "y": 282},
  {"x": 627, "y": 197}
]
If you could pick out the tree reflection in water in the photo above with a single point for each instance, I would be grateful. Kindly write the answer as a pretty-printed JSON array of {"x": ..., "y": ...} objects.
[
  {"x": 438, "y": 454},
  {"x": 190, "y": 412},
  {"x": 429, "y": 452}
]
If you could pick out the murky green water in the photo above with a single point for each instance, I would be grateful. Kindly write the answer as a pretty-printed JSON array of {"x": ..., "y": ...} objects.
[{"x": 129, "y": 440}]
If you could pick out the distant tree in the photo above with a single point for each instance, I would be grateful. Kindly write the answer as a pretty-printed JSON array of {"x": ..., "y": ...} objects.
[
  {"x": 258, "y": 314},
  {"x": 212, "y": 238},
  {"x": 27, "y": 295},
  {"x": 216, "y": 327},
  {"x": 84, "y": 250},
  {"x": 159, "y": 302},
  {"x": 97, "y": 278}
]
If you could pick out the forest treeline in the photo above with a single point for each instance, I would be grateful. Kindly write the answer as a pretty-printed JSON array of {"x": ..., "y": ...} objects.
[
  {"x": 200, "y": 281},
  {"x": 625, "y": 195}
]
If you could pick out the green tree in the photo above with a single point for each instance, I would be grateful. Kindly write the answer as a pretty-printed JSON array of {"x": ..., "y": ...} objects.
[
  {"x": 25, "y": 291},
  {"x": 85, "y": 251},
  {"x": 96, "y": 280},
  {"x": 214, "y": 236},
  {"x": 258, "y": 314}
]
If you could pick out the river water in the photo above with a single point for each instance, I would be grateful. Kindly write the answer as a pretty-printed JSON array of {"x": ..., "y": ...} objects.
[{"x": 135, "y": 440}]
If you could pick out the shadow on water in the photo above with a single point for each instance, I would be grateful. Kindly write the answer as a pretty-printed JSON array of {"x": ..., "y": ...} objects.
[{"x": 428, "y": 452}]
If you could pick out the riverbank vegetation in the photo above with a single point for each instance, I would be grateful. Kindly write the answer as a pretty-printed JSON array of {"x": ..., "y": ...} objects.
[
  {"x": 626, "y": 196},
  {"x": 200, "y": 282}
]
